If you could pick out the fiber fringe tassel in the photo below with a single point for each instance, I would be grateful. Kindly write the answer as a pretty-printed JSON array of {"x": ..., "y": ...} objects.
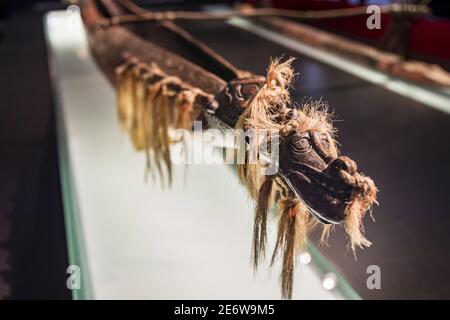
[
  {"x": 293, "y": 229},
  {"x": 361, "y": 204},
  {"x": 260, "y": 222},
  {"x": 147, "y": 108}
]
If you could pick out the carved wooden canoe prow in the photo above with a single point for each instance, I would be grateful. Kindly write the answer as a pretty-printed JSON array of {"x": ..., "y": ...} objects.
[{"x": 166, "y": 78}]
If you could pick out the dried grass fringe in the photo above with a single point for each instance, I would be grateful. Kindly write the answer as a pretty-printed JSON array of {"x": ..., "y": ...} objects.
[
  {"x": 147, "y": 108},
  {"x": 361, "y": 204},
  {"x": 271, "y": 109}
]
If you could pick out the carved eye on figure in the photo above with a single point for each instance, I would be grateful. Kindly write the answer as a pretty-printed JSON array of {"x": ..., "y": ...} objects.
[{"x": 302, "y": 145}]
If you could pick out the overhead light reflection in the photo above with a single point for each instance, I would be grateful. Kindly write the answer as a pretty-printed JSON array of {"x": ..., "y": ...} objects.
[
  {"x": 305, "y": 258},
  {"x": 329, "y": 281}
]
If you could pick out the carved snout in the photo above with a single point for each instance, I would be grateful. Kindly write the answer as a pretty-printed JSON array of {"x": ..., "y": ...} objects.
[{"x": 343, "y": 163}]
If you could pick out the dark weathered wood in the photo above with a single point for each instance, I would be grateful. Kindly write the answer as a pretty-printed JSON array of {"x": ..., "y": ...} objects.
[{"x": 109, "y": 45}]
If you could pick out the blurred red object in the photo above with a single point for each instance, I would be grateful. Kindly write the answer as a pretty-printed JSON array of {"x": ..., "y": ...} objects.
[{"x": 428, "y": 36}]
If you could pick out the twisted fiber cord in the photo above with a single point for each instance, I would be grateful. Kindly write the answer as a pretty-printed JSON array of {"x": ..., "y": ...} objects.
[{"x": 261, "y": 12}]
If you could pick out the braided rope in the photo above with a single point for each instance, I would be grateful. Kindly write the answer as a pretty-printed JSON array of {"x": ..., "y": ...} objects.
[{"x": 262, "y": 12}]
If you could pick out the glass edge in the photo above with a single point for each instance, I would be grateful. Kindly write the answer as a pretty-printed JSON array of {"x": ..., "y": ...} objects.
[
  {"x": 75, "y": 245},
  {"x": 323, "y": 266}
]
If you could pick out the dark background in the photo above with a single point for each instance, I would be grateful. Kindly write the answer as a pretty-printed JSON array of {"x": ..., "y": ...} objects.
[{"x": 33, "y": 257}]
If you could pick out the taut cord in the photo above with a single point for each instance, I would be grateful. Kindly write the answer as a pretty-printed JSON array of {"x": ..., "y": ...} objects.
[{"x": 262, "y": 12}]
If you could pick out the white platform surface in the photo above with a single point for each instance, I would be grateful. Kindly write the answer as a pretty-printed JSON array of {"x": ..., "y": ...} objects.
[{"x": 142, "y": 242}]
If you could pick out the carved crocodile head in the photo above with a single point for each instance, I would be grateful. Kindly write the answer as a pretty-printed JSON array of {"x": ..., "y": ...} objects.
[{"x": 327, "y": 183}]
